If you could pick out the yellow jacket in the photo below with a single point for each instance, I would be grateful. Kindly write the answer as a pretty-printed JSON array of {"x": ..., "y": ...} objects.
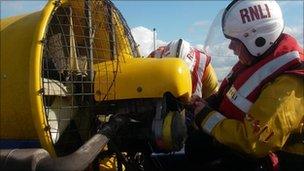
[
  {"x": 275, "y": 121},
  {"x": 209, "y": 82}
]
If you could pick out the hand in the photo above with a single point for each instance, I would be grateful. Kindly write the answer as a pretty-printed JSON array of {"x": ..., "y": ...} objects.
[{"x": 198, "y": 103}]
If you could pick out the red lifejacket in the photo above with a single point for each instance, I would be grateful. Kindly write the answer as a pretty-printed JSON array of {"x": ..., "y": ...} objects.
[{"x": 243, "y": 85}]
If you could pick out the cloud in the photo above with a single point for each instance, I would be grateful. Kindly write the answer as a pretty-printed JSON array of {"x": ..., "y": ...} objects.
[{"x": 144, "y": 38}]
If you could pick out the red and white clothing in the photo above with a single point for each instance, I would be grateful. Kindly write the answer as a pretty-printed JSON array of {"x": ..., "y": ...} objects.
[
  {"x": 249, "y": 81},
  {"x": 259, "y": 107}
]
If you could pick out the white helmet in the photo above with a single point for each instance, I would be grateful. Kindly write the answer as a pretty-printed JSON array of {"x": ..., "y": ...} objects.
[
  {"x": 257, "y": 24},
  {"x": 178, "y": 49}
]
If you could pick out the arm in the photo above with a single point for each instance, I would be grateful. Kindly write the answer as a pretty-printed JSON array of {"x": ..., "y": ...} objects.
[
  {"x": 273, "y": 117},
  {"x": 209, "y": 82}
]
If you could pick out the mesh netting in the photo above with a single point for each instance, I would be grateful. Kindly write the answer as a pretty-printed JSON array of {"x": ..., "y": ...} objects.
[{"x": 80, "y": 35}]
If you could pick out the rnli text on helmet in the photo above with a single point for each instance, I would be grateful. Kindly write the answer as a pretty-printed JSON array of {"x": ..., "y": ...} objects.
[{"x": 254, "y": 13}]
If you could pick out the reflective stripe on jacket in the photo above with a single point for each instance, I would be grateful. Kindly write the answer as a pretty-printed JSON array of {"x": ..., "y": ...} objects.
[
  {"x": 275, "y": 116},
  {"x": 262, "y": 107}
]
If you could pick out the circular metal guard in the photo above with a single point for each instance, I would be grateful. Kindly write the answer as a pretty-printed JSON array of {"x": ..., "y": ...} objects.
[{"x": 80, "y": 35}]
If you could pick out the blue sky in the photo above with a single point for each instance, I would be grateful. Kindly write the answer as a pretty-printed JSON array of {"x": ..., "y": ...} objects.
[{"x": 174, "y": 19}]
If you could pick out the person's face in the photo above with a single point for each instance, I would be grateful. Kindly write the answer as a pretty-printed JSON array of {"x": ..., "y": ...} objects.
[{"x": 240, "y": 50}]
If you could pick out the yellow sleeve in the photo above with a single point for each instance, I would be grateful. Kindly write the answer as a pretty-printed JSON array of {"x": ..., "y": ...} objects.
[
  {"x": 276, "y": 114},
  {"x": 210, "y": 82}
]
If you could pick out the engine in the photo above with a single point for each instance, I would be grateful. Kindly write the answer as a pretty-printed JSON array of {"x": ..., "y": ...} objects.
[{"x": 156, "y": 125}]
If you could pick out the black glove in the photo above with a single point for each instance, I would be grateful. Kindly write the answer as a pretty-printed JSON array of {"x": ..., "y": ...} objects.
[
  {"x": 110, "y": 128},
  {"x": 200, "y": 116}
]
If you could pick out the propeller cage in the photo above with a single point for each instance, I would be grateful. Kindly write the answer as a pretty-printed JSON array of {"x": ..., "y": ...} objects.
[{"x": 80, "y": 35}]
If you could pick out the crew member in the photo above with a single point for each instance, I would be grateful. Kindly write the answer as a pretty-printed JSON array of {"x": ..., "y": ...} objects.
[
  {"x": 259, "y": 108},
  {"x": 204, "y": 80}
]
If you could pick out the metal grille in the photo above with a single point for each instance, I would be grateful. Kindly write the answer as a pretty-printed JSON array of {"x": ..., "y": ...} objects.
[{"x": 80, "y": 35}]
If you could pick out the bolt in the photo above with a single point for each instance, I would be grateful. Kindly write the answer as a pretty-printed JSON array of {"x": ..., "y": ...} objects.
[{"x": 139, "y": 89}]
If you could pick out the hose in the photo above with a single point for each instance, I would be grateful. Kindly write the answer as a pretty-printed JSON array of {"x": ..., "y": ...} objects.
[
  {"x": 78, "y": 160},
  {"x": 40, "y": 160}
]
